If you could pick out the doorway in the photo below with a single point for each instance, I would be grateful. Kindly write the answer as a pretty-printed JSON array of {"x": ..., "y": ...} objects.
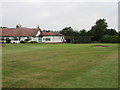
[{"x": 68, "y": 40}]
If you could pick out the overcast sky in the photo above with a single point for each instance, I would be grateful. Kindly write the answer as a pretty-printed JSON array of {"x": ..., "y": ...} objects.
[{"x": 57, "y": 15}]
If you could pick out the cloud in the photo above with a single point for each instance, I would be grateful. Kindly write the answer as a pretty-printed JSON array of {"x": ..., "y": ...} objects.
[{"x": 57, "y": 15}]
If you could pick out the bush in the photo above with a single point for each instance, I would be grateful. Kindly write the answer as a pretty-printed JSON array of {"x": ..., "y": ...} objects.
[
  {"x": 76, "y": 42},
  {"x": 110, "y": 39}
]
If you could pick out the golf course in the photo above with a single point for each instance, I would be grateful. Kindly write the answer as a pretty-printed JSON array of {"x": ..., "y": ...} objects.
[{"x": 35, "y": 65}]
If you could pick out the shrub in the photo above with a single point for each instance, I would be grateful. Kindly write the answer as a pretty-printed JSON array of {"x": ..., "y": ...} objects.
[{"x": 110, "y": 39}]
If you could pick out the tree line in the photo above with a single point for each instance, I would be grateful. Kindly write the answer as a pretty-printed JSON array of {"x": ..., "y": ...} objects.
[{"x": 99, "y": 31}]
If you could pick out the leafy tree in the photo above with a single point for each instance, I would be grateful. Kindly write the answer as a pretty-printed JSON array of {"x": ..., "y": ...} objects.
[
  {"x": 47, "y": 31},
  {"x": 67, "y": 31},
  {"x": 98, "y": 29},
  {"x": 76, "y": 33},
  {"x": 110, "y": 39},
  {"x": 99, "y": 32},
  {"x": 111, "y": 32},
  {"x": 83, "y": 32},
  {"x": 105, "y": 39},
  {"x": 3, "y": 27}
]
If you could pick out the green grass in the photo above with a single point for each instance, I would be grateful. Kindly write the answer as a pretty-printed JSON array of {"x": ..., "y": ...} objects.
[{"x": 60, "y": 66}]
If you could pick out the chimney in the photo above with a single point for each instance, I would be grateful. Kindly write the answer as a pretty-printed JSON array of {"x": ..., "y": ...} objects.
[
  {"x": 38, "y": 27},
  {"x": 18, "y": 26}
]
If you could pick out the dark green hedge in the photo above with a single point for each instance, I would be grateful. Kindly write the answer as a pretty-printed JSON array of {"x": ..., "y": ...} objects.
[{"x": 110, "y": 39}]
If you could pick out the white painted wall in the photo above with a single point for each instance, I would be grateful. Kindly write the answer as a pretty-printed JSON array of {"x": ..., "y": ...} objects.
[
  {"x": 23, "y": 38},
  {"x": 53, "y": 39},
  {"x": 12, "y": 41}
]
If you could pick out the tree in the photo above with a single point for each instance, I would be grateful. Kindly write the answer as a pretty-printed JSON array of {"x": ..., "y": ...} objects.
[
  {"x": 3, "y": 27},
  {"x": 47, "y": 31},
  {"x": 98, "y": 29},
  {"x": 83, "y": 32},
  {"x": 110, "y": 39},
  {"x": 76, "y": 33},
  {"x": 111, "y": 32},
  {"x": 67, "y": 31}
]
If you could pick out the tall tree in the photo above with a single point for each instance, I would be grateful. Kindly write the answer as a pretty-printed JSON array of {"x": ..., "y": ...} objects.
[
  {"x": 111, "y": 32},
  {"x": 76, "y": 33},
  {"x": 83, "y": 32},
  {"x": 98, "y": 29},
  {"x": 67, "y": 31}
]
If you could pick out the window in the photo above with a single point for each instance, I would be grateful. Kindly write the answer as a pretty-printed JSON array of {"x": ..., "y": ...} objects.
[
  {"x": 28, "y": 38},
  {"x": 15, "y": 38},
  {"x": 46, "y": 39},
  {"x": 40, "y": 38},
  {"x": 3, "y": 38}
]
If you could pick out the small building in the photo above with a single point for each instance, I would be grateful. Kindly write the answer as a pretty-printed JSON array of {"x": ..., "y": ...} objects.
[
  {"x": 52, "y": 37},
  {"x": 20, "y": 35}
]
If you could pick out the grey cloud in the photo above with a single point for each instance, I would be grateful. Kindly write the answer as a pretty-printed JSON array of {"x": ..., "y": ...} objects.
[{"x": 55, "y": 16}]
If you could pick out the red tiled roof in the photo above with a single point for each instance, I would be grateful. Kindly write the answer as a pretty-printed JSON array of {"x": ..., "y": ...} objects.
[
  {"x": 18, "y": 32},
  {"x": 50, "y": 34}
]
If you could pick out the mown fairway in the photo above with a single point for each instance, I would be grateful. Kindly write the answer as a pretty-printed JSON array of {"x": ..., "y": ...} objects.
[{"x": 60, "y": 66}]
